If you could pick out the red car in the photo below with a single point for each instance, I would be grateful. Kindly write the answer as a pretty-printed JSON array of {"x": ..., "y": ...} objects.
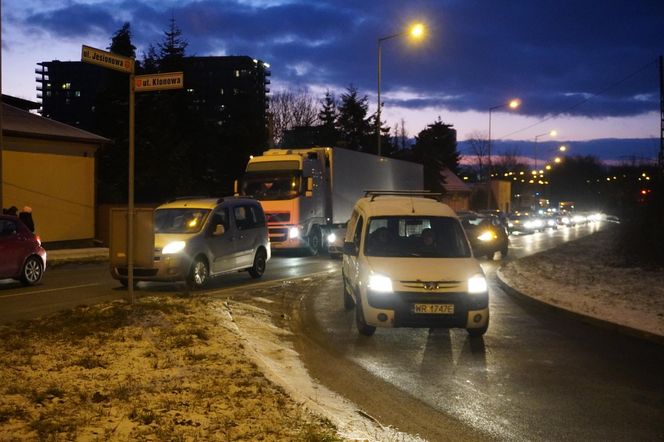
[{"x": 21, "y": 255}]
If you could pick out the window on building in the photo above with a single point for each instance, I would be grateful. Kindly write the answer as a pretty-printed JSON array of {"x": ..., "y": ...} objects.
[
  {"x": 66, "y": 86},
  {"x": 77, "y": 93},
  {"x": 221, "y": 91},
  {"x": 237, "y": 73}
]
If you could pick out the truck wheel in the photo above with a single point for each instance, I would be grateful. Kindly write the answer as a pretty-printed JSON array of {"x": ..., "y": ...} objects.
[
  {"x": 315, "y": 241},
  {"x": 362, "y": 327},
  {"x": 349, "y": 302}
]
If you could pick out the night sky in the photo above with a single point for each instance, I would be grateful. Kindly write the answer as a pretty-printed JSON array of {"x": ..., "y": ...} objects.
[{"x": 587, "y": 68}]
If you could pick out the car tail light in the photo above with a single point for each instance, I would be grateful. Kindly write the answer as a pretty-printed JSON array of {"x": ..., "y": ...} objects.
[{"x": 38, "y": 239}]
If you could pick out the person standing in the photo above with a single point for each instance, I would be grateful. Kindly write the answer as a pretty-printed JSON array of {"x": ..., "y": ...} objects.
[{"x": 26, "y": 217}]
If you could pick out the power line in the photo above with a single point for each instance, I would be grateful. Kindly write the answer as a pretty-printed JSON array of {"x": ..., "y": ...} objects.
[{"x": 585, "y": 100}]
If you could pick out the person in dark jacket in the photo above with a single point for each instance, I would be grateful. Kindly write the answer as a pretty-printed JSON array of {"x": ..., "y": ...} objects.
[{"x": 26, "y": 217}]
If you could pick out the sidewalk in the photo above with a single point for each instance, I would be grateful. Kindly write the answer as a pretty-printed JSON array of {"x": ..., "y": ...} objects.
[{"x": 65, "y": 256}]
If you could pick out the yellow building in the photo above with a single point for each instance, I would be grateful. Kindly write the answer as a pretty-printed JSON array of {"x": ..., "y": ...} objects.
[{"x": 50, "y": 167}]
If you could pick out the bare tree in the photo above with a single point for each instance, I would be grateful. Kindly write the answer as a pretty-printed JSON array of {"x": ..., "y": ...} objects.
[
  {"x": 292, "y": 108},
  {"x": 478, "y": 144},
  {"x": 508, "y": 160}
]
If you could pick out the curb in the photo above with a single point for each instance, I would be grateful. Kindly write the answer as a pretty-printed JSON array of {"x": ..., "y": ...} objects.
[
  {"x": 624, "y": 329},
  {"x": 55, "y": 258}
]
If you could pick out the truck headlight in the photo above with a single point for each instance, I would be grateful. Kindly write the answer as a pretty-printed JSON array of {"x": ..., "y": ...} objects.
[
  {"x": 173, "y": 247},
  {"x": 380, "y": 283},
  {"x": 294, "y": 232},
  {"x": 331, "y": 238},
  {"x": 486, "y": 236},
  {"x": 477, "y": 284}
]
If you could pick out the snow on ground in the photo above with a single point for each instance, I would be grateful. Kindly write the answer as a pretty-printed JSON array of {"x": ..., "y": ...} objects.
[{"x": 586, "y": 276}]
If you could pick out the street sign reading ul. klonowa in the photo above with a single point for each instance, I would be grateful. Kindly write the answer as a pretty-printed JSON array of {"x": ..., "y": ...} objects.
[
  {"x": 107, "y": 59},
  {"x": 158, "y": 82}
]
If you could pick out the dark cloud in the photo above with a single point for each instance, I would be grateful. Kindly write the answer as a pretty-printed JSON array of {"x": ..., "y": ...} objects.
[{"x": 552, "y": 54}]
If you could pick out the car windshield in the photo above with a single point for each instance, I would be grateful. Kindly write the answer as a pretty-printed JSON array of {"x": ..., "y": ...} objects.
[
  {"x": 272, "y": 184},
  {"x": 406, "y": 236},
  {"x": 181, "y": 220}
]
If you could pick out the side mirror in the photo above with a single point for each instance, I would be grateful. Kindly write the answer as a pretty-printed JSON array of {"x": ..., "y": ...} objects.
[
  {"x": 235, "y": 188},
  {"x": 219, "y": 230},
  {"x": 350, "y": 249},
  {"x": 310, "y": 187}
]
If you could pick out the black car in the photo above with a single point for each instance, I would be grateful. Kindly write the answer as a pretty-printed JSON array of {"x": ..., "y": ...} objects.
[{"x": 486, "y": 234}]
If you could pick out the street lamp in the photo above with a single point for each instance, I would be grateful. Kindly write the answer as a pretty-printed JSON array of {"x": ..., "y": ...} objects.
[
  {"x": 512, "y": 104},
  {"x": 552, "y": 133},
  {"x": 416, "y": 32}
]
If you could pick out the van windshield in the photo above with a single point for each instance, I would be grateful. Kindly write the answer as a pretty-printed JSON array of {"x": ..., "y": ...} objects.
[
  {"x": 181, "y": 220},
  {"x": 272, "y": 184},
  {"x": 415, "y": 236}
]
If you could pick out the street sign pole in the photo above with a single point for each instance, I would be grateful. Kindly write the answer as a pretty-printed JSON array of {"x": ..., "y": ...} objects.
[{"x": 130, "y": 202}]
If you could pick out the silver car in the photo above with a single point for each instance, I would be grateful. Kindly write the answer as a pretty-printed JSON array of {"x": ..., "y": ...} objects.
[{"x": 196, "y": 239}]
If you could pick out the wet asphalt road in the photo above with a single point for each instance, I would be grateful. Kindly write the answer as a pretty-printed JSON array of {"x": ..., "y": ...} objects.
[{"x": 536, "y": 375}]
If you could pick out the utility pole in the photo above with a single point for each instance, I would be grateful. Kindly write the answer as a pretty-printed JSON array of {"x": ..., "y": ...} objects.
[
  {"x": 661, "y": 110},
  {"x": 2, "y": 183}
]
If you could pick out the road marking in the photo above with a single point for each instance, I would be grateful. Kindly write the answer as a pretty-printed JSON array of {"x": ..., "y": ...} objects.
[
  {"x": 273, "y": 282},
  {"x": 49, "y": 290}
]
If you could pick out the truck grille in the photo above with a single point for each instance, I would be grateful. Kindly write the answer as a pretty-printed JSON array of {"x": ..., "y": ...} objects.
[
  {"x": 278, "y": 217},
  {"x": 278, "y": 234}
]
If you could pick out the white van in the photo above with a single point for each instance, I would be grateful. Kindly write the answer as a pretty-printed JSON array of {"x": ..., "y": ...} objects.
[{"x": 407, "y": 263}]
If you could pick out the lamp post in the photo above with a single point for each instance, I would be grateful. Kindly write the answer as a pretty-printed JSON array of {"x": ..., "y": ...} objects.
[
  {"x": 416, "y": 31},
  {"x": 552, "y": 133},
  {"x": 512, "y": 104}
]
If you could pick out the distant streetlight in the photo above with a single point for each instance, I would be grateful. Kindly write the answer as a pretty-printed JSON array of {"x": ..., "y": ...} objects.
[
  {"x": 416, "y": 32},
  {"x": 512, "y": 104},
  {"x": 551, "y": 133},
  {"x": 562, "y": 148}
]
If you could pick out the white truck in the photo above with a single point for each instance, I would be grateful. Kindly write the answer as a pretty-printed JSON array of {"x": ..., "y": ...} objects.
[{"x": 308, "y": 194}]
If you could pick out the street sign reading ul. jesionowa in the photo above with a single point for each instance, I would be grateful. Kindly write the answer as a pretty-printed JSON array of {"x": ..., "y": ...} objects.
[{"x": 107, "y": 59}]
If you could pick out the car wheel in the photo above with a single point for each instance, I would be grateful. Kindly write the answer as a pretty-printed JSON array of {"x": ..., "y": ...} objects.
[
  {"x": 314, "y": 240},
  {"x": 489, "y": 255},
  {"x": 349, "y": 302},
  {"x": 199, "y": 274},
  {"x": 33, "y": 270},
  {"x": 362, "y": 327},
  {"x": 125, "y": 283},
  {"x": 257, "y": 270}
]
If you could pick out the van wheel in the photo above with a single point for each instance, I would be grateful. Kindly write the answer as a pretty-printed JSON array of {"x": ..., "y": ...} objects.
[
  {"x": 257, "y": 270},
  {"x": 349, "y": 302},
  {"x": 125, "y": 283},
  {"x": 32, "y": 272},
  {"x": 477, "y": 332},
  {"x": 314, "y": 240},
  {"x": 199, "y": 274},
  {"x": 362, "y": 327}
]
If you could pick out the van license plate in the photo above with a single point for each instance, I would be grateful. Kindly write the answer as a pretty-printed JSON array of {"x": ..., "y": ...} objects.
[{"x": 436, "y": 309}]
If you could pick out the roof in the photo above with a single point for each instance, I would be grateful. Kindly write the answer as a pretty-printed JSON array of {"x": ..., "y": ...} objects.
[
  {"x": 201, "y": 203},
  {"x": 452, "y": 182},
  {"x": 404, "y": 206},
  {"x": 18, "y": 122}
]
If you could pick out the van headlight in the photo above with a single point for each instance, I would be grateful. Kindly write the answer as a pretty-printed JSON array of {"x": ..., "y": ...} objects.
[
  {"x": 380, "y": 283},
  {"x": 173, "y": 247},
  {"x": 486, "y": 236},
  {"x": 477, "y": 284}
]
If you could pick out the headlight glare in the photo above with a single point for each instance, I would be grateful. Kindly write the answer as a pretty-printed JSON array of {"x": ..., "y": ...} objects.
[
  {"x": 173, "y": 247},
  {"x": 331, "y": 238},
  {"x": 477, "y": 284},
  {"x": 293, "y": 232},
  {"x": 486, "y": 236},
  {"x": 380, "y": 283}
]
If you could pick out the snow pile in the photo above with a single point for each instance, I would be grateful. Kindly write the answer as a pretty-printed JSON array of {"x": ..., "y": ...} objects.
[{"x": 587, "y": 277}]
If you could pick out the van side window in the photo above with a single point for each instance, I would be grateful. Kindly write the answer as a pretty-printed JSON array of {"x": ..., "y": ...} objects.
[
  {"x": 357, "y": 236},
  {"x": 246, "y": 217},
  {"x": 258, "y": 216},
  {"x": 220, "y": 216}
]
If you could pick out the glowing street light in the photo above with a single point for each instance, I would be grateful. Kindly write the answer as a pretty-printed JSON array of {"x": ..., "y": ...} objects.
[
  {"x": 416, "y": 31},
  {"x": 562, "y": 148},
  {"x": 557, "y": 160},
  {"x": 512, "y": 104},
  {"x": 551, "y": 133}
]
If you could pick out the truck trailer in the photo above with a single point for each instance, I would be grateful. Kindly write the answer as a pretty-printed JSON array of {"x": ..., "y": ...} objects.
[{"x": 308, "y": 194}]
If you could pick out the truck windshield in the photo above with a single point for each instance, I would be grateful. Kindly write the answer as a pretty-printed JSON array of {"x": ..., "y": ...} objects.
[
  {"x": 406, "y": 236},
  {"x": 179, "y": 220},
  {"x": 272, "y": 184}
]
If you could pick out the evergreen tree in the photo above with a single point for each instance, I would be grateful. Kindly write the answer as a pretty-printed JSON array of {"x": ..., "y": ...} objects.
[
  {"x": 121, "y": 42},
  {"x": 328, "y": 116},
  {"x": 436, "y": 148},
  {"x": 353, "y": 124},
  {"x": 172, "y": 49},
  {"x": 150, "y": 60}
]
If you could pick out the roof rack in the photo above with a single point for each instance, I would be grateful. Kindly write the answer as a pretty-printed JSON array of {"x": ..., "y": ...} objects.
[{"x": 422, "y": 193}]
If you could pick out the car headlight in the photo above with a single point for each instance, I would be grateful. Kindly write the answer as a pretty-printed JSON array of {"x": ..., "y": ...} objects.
[
  {"x": 510, "y": 224},
  {"x": 380, "y": 283},
  {"x": 477, "y": 284},
  {"x": 173, "y": 247},
  {"x": 487, "y": 236},
  {"x": 293, "y": 232},
  {"x": 331, "y": 238}
]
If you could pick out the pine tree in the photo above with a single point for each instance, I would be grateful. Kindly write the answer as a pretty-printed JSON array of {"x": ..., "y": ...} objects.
[
  {"x": 353, "y": 124},
  {"x": 328, "y": 116},
  {"x": 172, "y": 49},
  {"x": 121, "y": 42},
  {"x": 436, "y": 148}
]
